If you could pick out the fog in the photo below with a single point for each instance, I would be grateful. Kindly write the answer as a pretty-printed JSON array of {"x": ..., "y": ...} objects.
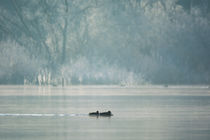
[{"x": 123, "y": 42}]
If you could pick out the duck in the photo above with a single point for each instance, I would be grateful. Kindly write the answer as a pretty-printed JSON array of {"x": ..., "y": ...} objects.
[
  {"x": 94, "y": 113},
  {"x": 108, "y": 114}
]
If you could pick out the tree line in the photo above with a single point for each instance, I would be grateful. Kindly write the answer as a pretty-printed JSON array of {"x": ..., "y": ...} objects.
[{"x": 104, "y": 42}]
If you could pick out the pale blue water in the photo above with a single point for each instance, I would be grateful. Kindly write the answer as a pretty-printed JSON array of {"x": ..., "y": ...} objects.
[{"x": 140, "y": 113}]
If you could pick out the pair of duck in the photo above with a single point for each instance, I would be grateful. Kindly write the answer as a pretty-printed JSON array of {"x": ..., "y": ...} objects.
[{"x": 106, "y": 114}]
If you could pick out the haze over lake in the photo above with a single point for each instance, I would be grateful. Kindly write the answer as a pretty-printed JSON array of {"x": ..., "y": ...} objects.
[{"x": 148, "y": 112}]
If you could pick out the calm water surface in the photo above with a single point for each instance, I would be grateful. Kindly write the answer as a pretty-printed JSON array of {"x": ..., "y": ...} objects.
[{"x": 140, "y": 113}]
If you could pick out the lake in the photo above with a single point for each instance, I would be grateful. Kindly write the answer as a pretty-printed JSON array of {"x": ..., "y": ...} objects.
[{"x": 140, "y": 113}]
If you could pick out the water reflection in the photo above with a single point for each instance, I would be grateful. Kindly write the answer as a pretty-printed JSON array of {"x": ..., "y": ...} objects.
[{"x": 139, "y": 113}]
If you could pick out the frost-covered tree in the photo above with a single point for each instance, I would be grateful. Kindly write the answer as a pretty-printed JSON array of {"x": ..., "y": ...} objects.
[{"x": 87, "y": 42}]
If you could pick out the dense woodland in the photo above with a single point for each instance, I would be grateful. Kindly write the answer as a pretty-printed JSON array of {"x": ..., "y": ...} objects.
[{"x": 125, "y": 42}]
